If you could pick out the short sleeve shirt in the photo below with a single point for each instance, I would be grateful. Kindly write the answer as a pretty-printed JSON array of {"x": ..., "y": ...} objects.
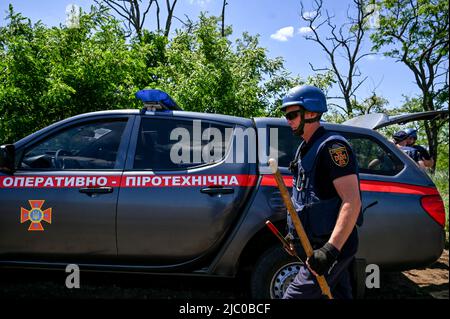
[
  {"x": 423, "y": 153},
  {"x": 336, "y": 159}
]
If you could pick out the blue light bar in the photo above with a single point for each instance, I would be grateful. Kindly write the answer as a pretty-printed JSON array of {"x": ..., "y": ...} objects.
[{"x": 157, "y": 97}]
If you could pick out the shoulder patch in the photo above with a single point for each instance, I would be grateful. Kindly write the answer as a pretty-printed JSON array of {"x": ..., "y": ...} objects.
[{"x": 339, "y": 154}]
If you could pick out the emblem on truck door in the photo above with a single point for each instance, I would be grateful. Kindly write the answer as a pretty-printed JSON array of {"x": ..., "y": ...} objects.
[{"x": 35, "y": 215}]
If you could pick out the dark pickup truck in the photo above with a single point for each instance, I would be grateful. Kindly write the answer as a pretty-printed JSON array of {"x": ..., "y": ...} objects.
[{"x": 102, "y": 190}]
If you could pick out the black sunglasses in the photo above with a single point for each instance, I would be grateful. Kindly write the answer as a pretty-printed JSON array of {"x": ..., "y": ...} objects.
[{"x": 292, "y": 115}]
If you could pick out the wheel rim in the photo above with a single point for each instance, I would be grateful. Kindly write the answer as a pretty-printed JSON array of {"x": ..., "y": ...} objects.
[{"x": 282, "y": 279}]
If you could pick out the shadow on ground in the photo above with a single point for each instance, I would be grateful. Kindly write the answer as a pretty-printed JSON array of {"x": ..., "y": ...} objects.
[{"x": 427, "y": 283}]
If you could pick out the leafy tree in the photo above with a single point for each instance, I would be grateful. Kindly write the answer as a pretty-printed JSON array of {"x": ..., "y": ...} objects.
[
  {"x": 205, "y": 72},
  {"x": 415, "y": 32},
  {"x": 49, "y": 74},
  {"x": 134, "y": 13},
  {"x": 372, "y": 104}
]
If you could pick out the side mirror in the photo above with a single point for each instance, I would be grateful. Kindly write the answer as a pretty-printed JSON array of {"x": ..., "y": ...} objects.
[{"x": 7, "y": 158}]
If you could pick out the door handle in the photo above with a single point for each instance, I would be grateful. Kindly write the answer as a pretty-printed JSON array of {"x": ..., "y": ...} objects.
[
  {"x": 213, "y": 190},
  {"x": 96, "y": 190}
]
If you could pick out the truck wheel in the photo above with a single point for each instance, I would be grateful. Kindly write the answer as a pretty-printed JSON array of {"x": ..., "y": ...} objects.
[{"x": 272, "y": 274}]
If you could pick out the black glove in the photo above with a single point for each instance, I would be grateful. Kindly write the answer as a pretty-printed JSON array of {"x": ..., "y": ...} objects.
[{"x": 323, "y": 258}]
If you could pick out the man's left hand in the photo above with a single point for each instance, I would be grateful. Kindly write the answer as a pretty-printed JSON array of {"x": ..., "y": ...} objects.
[{"x": 322, "y": 259}]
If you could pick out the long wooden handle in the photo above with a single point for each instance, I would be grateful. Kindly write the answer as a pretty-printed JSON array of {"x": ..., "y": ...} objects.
[{"x": 297, "y": 223}]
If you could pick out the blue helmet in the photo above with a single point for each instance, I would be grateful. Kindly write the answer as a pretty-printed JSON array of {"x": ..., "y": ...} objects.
[
  {"x": 309, "y": 97},
  {"x": 400, "y": 136},
  {"x": 411, "y": 132}
]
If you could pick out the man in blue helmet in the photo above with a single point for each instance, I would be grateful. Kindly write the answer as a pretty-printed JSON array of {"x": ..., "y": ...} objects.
[
  {"x": 401, "y": 141},
  {"x": 425, "y": 159},
  {"x": 325, "y": 194}
]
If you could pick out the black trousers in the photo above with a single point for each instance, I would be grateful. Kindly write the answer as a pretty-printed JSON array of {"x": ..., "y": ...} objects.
[{"x": 305, "y": 286}]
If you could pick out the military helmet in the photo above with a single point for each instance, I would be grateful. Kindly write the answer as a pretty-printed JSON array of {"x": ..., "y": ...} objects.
[
  {"x": 309, "y": 97},
  {"x": 411, "y": 132},
  {"x": 400, "y": 136}
]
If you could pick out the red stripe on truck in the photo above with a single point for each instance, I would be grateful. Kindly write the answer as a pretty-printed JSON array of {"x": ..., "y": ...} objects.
[
  {"x": 368, "y": 186},
  {"x": 127, "y": 180},
  {"x": 399, "y": 188},
  {"x": 188, "y": 180},
  {"x": 269, "y": 180}
]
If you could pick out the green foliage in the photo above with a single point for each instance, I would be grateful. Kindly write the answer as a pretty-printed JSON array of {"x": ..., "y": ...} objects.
[
  {"x": 413, "y": 105},
  {"x": 205, "y": 72},
  {"x": 372, "y": 104},
  {"x": 440, "y": 178},
  {"x": 415, "y": 32},
  {"x": 49, "y": 74},
  {"x": 53, "y": 73},
  {"x": 411, "y": 26}
]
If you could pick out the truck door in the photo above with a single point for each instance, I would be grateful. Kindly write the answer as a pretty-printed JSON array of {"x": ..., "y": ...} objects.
[
  {"x": 174, "y": 211},
  {"x": 61, "y": 202}
]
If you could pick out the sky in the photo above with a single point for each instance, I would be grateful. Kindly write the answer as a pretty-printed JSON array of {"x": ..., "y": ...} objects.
[{"x": 281, "y": 29}]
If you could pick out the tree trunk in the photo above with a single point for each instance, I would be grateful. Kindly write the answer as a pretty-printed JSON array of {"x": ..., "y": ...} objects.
[
  {"x": 223, "y": 17},
  {"x": 431, "y": 129},
  {"x": 348, "y": 105},
  {"x": 170, "y": 9}
]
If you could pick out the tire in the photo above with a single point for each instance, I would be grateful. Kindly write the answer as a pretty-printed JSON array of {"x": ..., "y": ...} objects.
[{"x": 272, "y": 274}]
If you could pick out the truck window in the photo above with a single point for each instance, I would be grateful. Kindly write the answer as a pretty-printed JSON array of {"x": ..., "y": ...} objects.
[
  {"x": 372, "y": 156},
  {"x": 287, "y": 145},
  {"x": 92, "y": 145},
  {"x": 168, "y": 144}
]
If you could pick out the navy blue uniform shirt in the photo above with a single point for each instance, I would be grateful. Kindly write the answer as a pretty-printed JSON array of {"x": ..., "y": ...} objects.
[
  {"x": 329, "y": 164},
  {"x": 336, "y": 159}
]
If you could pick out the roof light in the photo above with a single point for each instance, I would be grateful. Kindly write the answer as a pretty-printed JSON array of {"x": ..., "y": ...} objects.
[{"x": 156, "y": 100}]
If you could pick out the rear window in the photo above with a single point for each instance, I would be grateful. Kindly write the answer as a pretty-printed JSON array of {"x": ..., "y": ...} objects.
[{"x": 373, "y": 157}]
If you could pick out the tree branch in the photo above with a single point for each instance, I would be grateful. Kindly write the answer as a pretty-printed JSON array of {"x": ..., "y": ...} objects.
[
  {"x": 344, "y": 42},
  {"x": 170, "y": 10},
  {"x": 224, "y": 4}
]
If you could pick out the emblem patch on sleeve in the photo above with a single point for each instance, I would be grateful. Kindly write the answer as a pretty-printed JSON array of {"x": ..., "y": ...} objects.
[{"x": 339, "y": 154}]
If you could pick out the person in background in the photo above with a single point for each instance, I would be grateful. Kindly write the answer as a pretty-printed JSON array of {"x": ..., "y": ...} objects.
[
  {"x": 424, "y": 155},
  {"x": 401, "y": 141}
]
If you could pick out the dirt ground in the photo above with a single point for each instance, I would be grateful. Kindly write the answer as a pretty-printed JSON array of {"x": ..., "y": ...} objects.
[{"x": 427, "y": 283}]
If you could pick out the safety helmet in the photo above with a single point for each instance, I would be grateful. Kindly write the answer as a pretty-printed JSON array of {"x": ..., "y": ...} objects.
[
  {"x": 400, "y": 136},
  {"x": 309, "y": 97},
  {"x": 411, "y": 132}
]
